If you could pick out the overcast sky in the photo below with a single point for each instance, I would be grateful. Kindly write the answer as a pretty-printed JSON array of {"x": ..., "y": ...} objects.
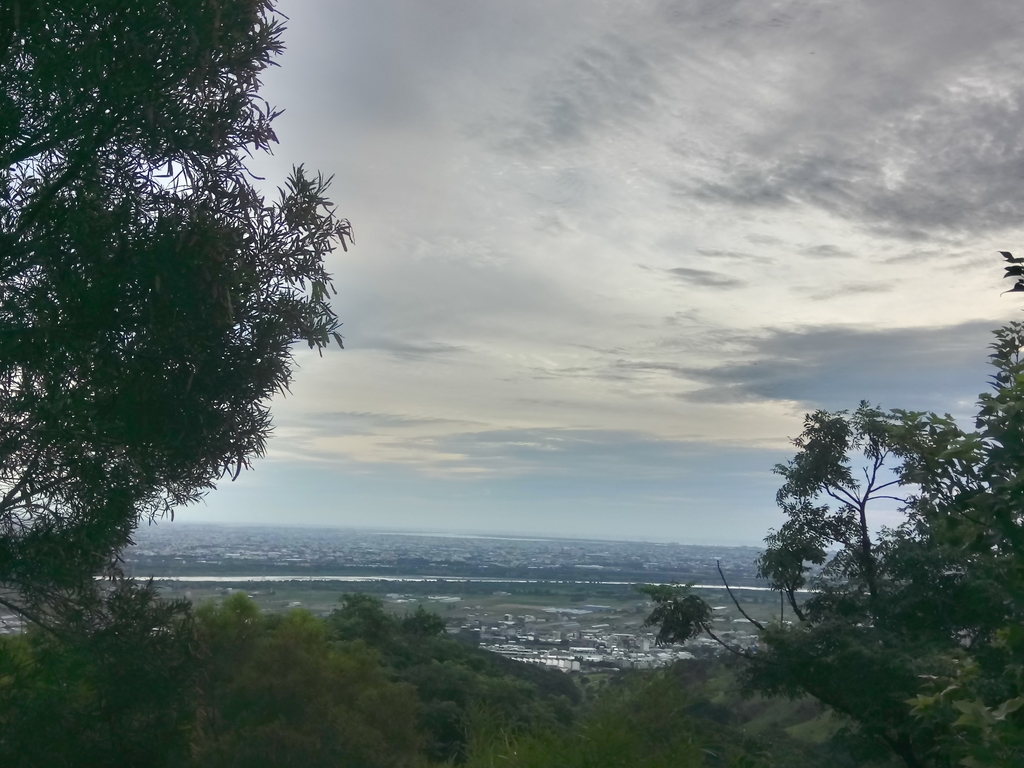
[{"x": 608, "y": 253}]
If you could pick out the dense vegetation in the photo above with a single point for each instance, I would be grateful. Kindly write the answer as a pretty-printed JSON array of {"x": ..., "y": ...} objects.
[
  {"x": 227, "y": 685},
  {"x": 915, "y": 633},
  {"x": 149, "y": 295}
]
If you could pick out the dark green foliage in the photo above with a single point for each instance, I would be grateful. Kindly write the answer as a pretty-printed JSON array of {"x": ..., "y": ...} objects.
[
  {"x": 149, "y": 297},
  {"x": 278, "y": 694},
  {"x": 826, "y": 502},
  {"x": 632, "y": 725},
  {"x": 422, "y": 623},
  {"x": 651, "y": 720},
  {"x": 913, "y": 633},
  {"x": 362, "y": 617},
  {"x": 230, "y": 686},
  {"x": 117, "y": 688},
  {"x": 148, "y": 294},
  {"x": 679, "y": 615},
  {"x": 850, "y": 647},
  {"x": 453, "y": 679},
  {"x": 970, "y": 505}
]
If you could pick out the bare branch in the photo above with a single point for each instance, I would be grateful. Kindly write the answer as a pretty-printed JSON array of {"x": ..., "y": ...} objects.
[
  {"x": 736, "y": 602},
  {"x": 796, "y": 608},
  {"x": 886, "y": 485},
  {"x": 730, "y": 649},
  {"x": 850, "y": 498}
]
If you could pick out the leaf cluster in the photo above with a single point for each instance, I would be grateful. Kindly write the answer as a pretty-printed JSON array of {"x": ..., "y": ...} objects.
[
  {"x": 912, "y": 632},
  {"x": 278, "y": 692},
  {"x": 453, "y": 679},
  {"x": 678, "y": 613},
  {"x": 149, "y": 294},
  {"x": 116, "y": 686}
]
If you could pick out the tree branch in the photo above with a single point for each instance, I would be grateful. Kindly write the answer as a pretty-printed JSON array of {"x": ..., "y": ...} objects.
[
  {"x": 791, "y": 594},
  {"x": 876, "y": 464},
  {"x": 29, "y": 615},
  {"x": 736, "y": 602},
  {"x": 730, "y": 649},
  {"x": 29, "y": 149},
  {"x": 17, "y": 487},
  {"x": 850, "y": 498},
  {"x": 886, "y": 485}
]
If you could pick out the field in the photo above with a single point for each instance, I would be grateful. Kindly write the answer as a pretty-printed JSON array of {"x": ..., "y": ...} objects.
[{"x": 556, "y": 606}]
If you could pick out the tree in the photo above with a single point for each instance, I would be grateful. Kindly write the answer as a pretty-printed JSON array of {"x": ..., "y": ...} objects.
[
  {"x": 149, "y": 295},
  {"x": 121, "y": 693},
  {"x": 279, "y": 693},
  {"x": 452, "y": 679},
  {"x": 914, "y": 633}
]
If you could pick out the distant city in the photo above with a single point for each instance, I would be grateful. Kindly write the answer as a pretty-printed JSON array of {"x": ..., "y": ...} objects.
[
  {"x": 176, "y": 550},
  {"x": 566, "y": 603}
]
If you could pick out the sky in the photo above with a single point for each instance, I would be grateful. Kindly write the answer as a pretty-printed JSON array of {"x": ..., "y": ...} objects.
[{"x": 609, "y": 253}]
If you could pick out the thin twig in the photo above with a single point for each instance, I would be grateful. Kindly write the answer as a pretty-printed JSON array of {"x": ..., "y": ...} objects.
[
  {"x": 735, "y": 651},
  {"x": 792, "y": 601},
  {"x": 850, "y": 499},
  {"x": 886, "y": 485},
  {"x": 736, "y": 602},
  {"x": 29, "y": 615}
]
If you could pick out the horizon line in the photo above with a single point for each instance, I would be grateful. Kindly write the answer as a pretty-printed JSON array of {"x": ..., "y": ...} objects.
[{"x": 428, "y": 532}]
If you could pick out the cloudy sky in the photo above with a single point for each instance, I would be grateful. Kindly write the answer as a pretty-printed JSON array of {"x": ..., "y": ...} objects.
[{"x": 608, "y": 253}]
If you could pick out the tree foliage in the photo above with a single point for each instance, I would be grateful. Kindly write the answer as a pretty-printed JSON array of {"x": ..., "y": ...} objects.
[
  {"x": 278, "y": 693},
  {"x": 678, "y": 614},
  {"x": 688, "y": 715},
  {"x": 913, "y": 632},
  {"x": 453, "y": 680},
  {"x": 117, "y": 688},
  {"x": 149, "y": 294}
]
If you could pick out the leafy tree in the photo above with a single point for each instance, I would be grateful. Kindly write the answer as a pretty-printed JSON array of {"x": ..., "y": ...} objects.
[
  {"x": 679, "y": 615},
  {"x": 452, "y": 679},
  {"x": 826, "y": 503},
  {"x": 120, "y": 690},
  {"x": 277, "y": 693},
  {"x": 362, "y": 617},
  {"x": 360, "y": 688},
  {"x": 970, "y": 500},
  {"x": 914, "y": 632},
  {"x": 645, "y": 719},
  {"x": 422, "y": 623},
  {"x": 149, "y": 294}
]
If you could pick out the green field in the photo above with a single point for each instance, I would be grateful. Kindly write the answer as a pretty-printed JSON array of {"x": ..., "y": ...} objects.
[{"x": 612, "y": 608}]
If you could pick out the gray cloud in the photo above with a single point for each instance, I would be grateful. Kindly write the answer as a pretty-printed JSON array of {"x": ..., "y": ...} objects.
[
  {"x": 742, "y": 256},
  {"x": 759, "y": 239},
  {"x": 828, "y": 251},
  {"x": 901, "y": 119},
  {"x": 611, "y": 80},
  {"x": 971, "y": 194},
  {"x": 852, "y": 289},
  {"x": 826, "y": 167},
  {"x": 836, "y": 367},
  {"x": 365, "y": 422},
  {"x": 941, "y": 369},
  {"x": 703, "y": 278},
  {"x": 412, "y": 350},
  {"x": 592, "y": 453}
]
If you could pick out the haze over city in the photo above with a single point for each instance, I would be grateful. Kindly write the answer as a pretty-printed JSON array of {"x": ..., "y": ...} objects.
[{"x": 609, "y": 253}]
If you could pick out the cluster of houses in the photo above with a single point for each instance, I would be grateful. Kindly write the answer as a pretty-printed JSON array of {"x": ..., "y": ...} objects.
[{"x": 570, "y": 647}]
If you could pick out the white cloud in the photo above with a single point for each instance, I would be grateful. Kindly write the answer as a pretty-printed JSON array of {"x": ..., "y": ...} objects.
[{"x": 665, "y": 219}]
